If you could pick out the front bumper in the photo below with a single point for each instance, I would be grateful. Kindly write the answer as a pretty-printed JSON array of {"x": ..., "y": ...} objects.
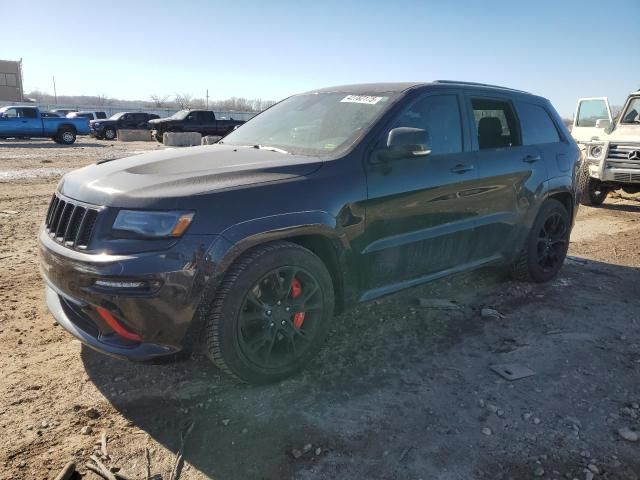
[{"x": 162, "y": 315}]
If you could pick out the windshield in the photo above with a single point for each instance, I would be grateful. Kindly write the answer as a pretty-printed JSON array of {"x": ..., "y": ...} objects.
[
  {"x": 632, "y": 113},
  {"x": 116, "y": 116},
  {"x": 313, "y": 124},
  {"x": 180, "y": 115}
]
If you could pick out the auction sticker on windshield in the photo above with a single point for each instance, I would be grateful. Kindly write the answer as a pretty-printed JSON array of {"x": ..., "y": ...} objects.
[{"x": 361, "y": 99}]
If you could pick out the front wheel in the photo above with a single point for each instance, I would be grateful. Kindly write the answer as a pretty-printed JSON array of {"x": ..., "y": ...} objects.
[
  {"x": 110, "y": 133},
  {"x": 271, "y": 313},
  {"x": 546, "y": 246},
  {"x": 594, "y": 194}
]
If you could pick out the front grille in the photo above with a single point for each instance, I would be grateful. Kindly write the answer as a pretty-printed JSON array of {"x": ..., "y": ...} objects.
[
  {"x": 626, "y": 177},
  {"x": 70, "y": 223},
  {"x": 618, "y": 156}
]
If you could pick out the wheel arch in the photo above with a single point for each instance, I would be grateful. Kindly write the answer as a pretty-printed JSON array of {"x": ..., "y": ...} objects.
[
  {"x": 69, "y": 126},
  {"x": 315, "y": 231}
]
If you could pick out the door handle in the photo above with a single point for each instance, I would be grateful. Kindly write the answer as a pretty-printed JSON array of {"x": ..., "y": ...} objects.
[
  {"x": 532, "y": 158},
  {"x": 462, "y": 168},
  {"x": 24, "y": 121}
]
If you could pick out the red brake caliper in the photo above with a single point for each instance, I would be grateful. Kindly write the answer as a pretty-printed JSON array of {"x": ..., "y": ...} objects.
[{"x": 296, "y": 291}]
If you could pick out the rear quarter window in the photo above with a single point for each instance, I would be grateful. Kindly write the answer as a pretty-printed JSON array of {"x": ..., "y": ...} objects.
[{"x": 537, "y": 126}]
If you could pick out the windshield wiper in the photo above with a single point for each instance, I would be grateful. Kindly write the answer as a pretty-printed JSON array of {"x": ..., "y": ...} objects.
[{"x": 272, "y": 149}]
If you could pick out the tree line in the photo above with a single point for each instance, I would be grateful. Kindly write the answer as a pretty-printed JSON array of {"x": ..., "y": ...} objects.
[{"x": 177, "y": 101}]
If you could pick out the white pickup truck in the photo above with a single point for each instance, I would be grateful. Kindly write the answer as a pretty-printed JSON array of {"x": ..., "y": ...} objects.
[{"x": 611, "y": 147}]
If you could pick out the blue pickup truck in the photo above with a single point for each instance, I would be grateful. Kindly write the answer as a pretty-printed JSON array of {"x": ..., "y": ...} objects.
[{"x": 27, "y": 122}]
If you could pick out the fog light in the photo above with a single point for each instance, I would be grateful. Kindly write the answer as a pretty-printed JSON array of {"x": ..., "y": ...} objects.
[{"x": 113, "y": 284}]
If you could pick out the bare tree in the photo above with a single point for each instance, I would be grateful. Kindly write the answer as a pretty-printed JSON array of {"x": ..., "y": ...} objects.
[
  {"x": 102, "y": 99},
  {"x": 183, "y": 101},
  {"x": 159, "y": 101},
  {"x": 198, "y": 103}
]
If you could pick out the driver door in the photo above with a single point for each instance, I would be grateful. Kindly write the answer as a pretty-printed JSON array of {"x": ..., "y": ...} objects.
[
  {"x": 420, "y": 209},
  {"x": 592, "y": 118}
]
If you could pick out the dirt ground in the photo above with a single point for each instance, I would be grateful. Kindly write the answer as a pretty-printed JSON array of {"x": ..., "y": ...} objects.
[{"x": 400, "y": 391}]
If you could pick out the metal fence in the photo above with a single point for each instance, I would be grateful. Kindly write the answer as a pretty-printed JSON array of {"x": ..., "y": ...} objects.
[{"x": 112, "y": 109}]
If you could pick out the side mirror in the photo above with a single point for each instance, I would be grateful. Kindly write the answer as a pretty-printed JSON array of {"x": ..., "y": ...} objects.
[
  {"x": 603, "y": 123},
  {"x": 407, "y": 142}
]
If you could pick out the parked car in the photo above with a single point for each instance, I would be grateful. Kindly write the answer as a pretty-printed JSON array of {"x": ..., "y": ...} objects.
[
  {"x": 63, "y": 111},
  {"x": 248, "y": 248},
  {"x": 201, "y": 121},
  {"x": 108, "y": 129},
  {"x": 20, "y": 122},
  {"x": 89, "y": 115},
  {"x": 611, "y": 147}
]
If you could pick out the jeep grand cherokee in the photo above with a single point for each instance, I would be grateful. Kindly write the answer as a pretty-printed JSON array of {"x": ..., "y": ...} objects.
[{"x": 248, "y": 248}]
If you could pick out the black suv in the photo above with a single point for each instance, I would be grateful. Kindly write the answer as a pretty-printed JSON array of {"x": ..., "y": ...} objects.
[
  {"x": 108, "y": 128},
  {"x": 203, "y": 122},
  {"x": 248, "y": 248}
]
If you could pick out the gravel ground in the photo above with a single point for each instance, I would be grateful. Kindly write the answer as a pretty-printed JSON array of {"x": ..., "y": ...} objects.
[{"x": 401, "y": 391}]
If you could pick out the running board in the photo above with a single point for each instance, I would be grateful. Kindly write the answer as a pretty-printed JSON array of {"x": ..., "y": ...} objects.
[{"x": 395, "y": 287}]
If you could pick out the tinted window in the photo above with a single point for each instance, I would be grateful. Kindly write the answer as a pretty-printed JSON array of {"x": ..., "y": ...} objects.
[
  {"x": 101, "y": 115},
  {"x": 207, "y": 117},
  {"x": 440, "y": 117},
  {"x": 496, "y": 123},
  {"x": 591, "y": 111},
  {"x": 537, "y": 126},
  {"x": 29, "y": 113}
]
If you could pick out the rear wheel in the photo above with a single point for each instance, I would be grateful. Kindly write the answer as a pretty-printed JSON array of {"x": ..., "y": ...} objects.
[
  {"x": 271, "y": 313},
  {"x": 546, "y": 246},
  {"x": 66, "y": 136}
]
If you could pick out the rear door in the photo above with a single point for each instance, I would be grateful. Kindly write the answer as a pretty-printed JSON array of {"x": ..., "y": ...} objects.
[
  {"x": 420, "y": 209},
  {"x": 592, "y": 118},
  {"x": 539, "y": 129},
  {"x": 510, "y": 174}
]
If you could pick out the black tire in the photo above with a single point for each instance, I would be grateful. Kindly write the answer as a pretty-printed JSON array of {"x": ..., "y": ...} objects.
[
  {"x": 591, "y": 190},
  {"x": 109, "y": 133},
  {"x": 246, "y": 305},
  {"x": 66, "y": 136},
  {"x": 546, "y": 246}
]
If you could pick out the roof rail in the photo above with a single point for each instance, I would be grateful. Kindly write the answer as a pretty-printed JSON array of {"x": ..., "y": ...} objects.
[{"x": 476, "y": 84}]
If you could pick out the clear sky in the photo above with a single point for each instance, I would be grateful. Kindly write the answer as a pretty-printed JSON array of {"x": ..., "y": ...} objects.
[{"x": 561, "y": 49}]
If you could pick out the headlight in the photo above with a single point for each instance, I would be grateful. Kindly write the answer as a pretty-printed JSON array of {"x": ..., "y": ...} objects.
[
  {"x": 153, "y": 224},
  {"x": 595, "y": 151},
  {"x": 96, "y": 124}
]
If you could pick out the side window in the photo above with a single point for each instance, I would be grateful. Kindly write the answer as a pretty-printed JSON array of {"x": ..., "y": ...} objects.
[
  {"x": 496, "y": 123},
  {"x": 439, "y": 115},
  {"x": 537, "y": 126},
  {"x": 11, "y": 113},
  {"x": 207, "y": 117},
  {"x": 590, "y": 111},
  {"x": 29, "y": 113}
]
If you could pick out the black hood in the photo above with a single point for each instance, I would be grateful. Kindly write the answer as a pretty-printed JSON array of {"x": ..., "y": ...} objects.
[{"x": 168, "y": 176}]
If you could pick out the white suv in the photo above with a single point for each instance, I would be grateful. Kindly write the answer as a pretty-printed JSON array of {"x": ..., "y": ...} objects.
[{"x": 611, "y": 147}]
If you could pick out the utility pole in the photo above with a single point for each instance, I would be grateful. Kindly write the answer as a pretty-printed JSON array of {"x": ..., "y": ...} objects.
[
  {"x": 55, "y": 93},
  {"x": 207, "y": 97}
]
